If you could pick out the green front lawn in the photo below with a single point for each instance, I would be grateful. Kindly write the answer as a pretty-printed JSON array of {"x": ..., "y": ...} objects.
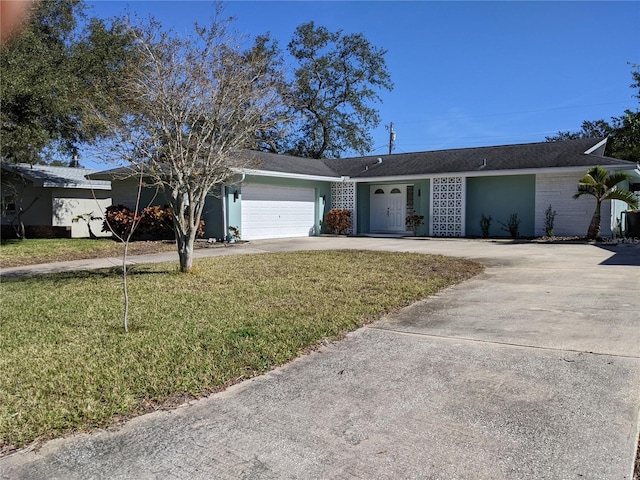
[
  {"x": 14, "y": 253},
  {"x": 66, "y": 365}
]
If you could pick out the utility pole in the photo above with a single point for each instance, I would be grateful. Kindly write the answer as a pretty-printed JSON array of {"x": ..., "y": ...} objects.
[{"x": 392, "y": 137}]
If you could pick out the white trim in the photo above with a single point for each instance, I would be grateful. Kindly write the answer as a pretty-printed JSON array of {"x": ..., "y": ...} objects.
[
  {"x": 489, "y": 173},
  {"x": 296, "y": 176},
  {"x": 77, "y": 186},
  {"x": 425, "y": 176},
  {"x": 596, "y": 146}
]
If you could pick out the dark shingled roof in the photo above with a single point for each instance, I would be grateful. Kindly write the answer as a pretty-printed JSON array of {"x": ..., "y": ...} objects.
[
  {"x": 273, "y": 162},
  {"x": 249, "y": 159},
  {"x": 480, "y": 159},
  {"x": 564, "y": 154}
]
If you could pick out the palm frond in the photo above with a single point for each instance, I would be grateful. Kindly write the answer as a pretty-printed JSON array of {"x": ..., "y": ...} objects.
[
  {"x": 626, "y": 196},
  {"x": 615, "y": 178}
]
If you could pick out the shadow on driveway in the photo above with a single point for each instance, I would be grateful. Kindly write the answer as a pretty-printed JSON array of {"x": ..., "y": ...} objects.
[{"x": 623, "y": 254}]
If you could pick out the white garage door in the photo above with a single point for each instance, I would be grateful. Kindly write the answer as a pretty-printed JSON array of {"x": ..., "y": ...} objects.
[{"x": 277, "y": 212}]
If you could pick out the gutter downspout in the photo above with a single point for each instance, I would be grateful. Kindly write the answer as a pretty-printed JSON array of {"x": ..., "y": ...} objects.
[{"x": 224, "y": 211}]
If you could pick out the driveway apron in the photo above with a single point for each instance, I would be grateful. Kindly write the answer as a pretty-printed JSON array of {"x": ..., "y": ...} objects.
[{"x": 529, "y": 371}]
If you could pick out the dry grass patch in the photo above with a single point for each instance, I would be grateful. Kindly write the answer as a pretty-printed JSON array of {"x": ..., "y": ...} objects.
[{"x": 68, "y": 366}]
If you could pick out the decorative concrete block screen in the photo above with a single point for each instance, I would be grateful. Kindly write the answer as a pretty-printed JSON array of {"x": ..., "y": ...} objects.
[
  {"x": 447, "y": 207},
  {"x": 343, "y": 195}
]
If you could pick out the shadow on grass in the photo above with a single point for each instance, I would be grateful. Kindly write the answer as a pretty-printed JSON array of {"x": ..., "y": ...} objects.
[{"x": 113, "y": 272}]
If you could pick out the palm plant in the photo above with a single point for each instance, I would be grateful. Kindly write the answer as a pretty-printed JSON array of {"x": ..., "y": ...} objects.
[{"x": 601, "y": 184}]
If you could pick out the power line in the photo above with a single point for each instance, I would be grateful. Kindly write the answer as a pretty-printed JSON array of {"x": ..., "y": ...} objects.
[{"x": 510, "y": 113}]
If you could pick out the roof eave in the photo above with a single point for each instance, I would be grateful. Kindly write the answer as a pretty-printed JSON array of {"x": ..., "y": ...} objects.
[
  {"x": 293, "y": 176},
  {"x": 78, "y": 186},
  {"x": 481, "y": 173}
]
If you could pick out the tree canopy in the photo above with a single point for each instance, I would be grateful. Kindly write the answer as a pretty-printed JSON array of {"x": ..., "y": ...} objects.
[
  {"x": 623, "y": 131},
  {"x": 337, "y": 77},
  {"x": 47, "y": 71}
]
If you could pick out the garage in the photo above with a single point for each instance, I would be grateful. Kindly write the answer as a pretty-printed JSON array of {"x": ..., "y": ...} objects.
[{"x": 277, "y": 212}]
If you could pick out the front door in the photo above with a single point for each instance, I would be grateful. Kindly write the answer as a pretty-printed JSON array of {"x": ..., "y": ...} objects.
[{"x": 388, "y": 208}]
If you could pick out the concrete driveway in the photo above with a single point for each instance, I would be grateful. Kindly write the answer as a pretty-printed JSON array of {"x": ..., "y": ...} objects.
[{"x": 529, "y": 371}]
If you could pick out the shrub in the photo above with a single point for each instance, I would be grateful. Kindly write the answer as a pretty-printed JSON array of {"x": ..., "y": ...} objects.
[
  {"x": 512, "y": 226},
  {"x": 549, "y": 219},
  {"x": 485, "y": 223},
  {"x": 234, "y": 233},
  {"x": 413, "y": 221},
  {"x": 119, "y": 220},
  {"x": 338, "y": 220},
  {"x": 155, "y": 222}
]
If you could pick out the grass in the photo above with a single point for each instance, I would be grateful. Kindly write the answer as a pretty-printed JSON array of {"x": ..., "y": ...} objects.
[
  {"x": 66, "y": 365},
  {"x": 15, "y": 253}
]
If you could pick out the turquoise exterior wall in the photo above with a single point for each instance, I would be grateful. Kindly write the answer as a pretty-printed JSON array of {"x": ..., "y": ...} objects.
[
  {"x": 421, "y": 195},
  {"x": 421, "y": 203},
  {"x": 499, "y": 197},
  {"x": 234, "y": 212},
  {"x": 212, "y": 217},
  {"x": 233, "y": 202},
  {"x": 363, "y": 208}
]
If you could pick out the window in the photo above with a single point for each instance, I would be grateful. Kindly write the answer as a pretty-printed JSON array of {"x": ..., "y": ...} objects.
[
  {"x": 396, "y": 190},
  {"x": 410, "y": 198},
  {"x": 8, "y": 204},
  {"x": 379, "y": 191}
]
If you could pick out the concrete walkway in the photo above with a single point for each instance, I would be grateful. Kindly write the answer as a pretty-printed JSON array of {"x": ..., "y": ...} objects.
[{"x": 529, "y": 371}]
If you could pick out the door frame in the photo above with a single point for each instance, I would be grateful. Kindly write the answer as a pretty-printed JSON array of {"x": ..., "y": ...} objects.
[{"x": 375, "y": 225}]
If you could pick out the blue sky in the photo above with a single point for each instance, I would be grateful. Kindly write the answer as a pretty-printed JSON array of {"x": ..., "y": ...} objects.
[{"x": 465, "y": 73}]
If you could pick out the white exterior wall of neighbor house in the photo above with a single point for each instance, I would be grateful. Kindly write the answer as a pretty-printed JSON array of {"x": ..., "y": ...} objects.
[
  {"x": 572, "y": 216},
  {"x": 68, "y": 204}
]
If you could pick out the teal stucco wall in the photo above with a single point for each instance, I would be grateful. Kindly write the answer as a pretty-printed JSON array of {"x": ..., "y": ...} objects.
[
  {"x": 421, "y": 196},
  {"x": 363, "y": 208},
  {"x": 500, "y": 197}
]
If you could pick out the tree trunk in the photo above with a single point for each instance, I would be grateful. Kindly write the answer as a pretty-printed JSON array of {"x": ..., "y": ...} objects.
[
  {"x": 18, "y": 226},
  {"x": 92, "y": 235},
  {"x": 594, "y": 226},
  {"x": 185, "y": 253}
]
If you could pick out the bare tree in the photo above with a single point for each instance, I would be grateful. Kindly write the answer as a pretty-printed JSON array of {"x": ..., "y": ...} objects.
[
  {"x": 194, "y": 103},
  {"x": 125, "y": 238}
]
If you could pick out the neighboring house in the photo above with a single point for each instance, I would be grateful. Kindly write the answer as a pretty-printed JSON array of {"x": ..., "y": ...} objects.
[
  {"x": 51, "y": 197},
  {"x": 286, "y": 196}
]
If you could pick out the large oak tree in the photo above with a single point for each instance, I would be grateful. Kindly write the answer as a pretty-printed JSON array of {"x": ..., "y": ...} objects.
[
  {"x": 46, "y": 74},
  {"x": 337, "y": 78}
]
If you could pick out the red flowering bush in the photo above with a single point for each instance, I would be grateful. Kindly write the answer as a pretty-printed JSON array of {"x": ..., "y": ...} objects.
[
  {"x": 338, "y": 220},
  {"x": 157, "y": 222},
  {"x": 154, "y": 223},
  {"x": 119, "y": 220}
]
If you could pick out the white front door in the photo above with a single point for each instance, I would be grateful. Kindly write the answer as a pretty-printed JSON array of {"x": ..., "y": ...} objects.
[{"x": 388, "y": 208}]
